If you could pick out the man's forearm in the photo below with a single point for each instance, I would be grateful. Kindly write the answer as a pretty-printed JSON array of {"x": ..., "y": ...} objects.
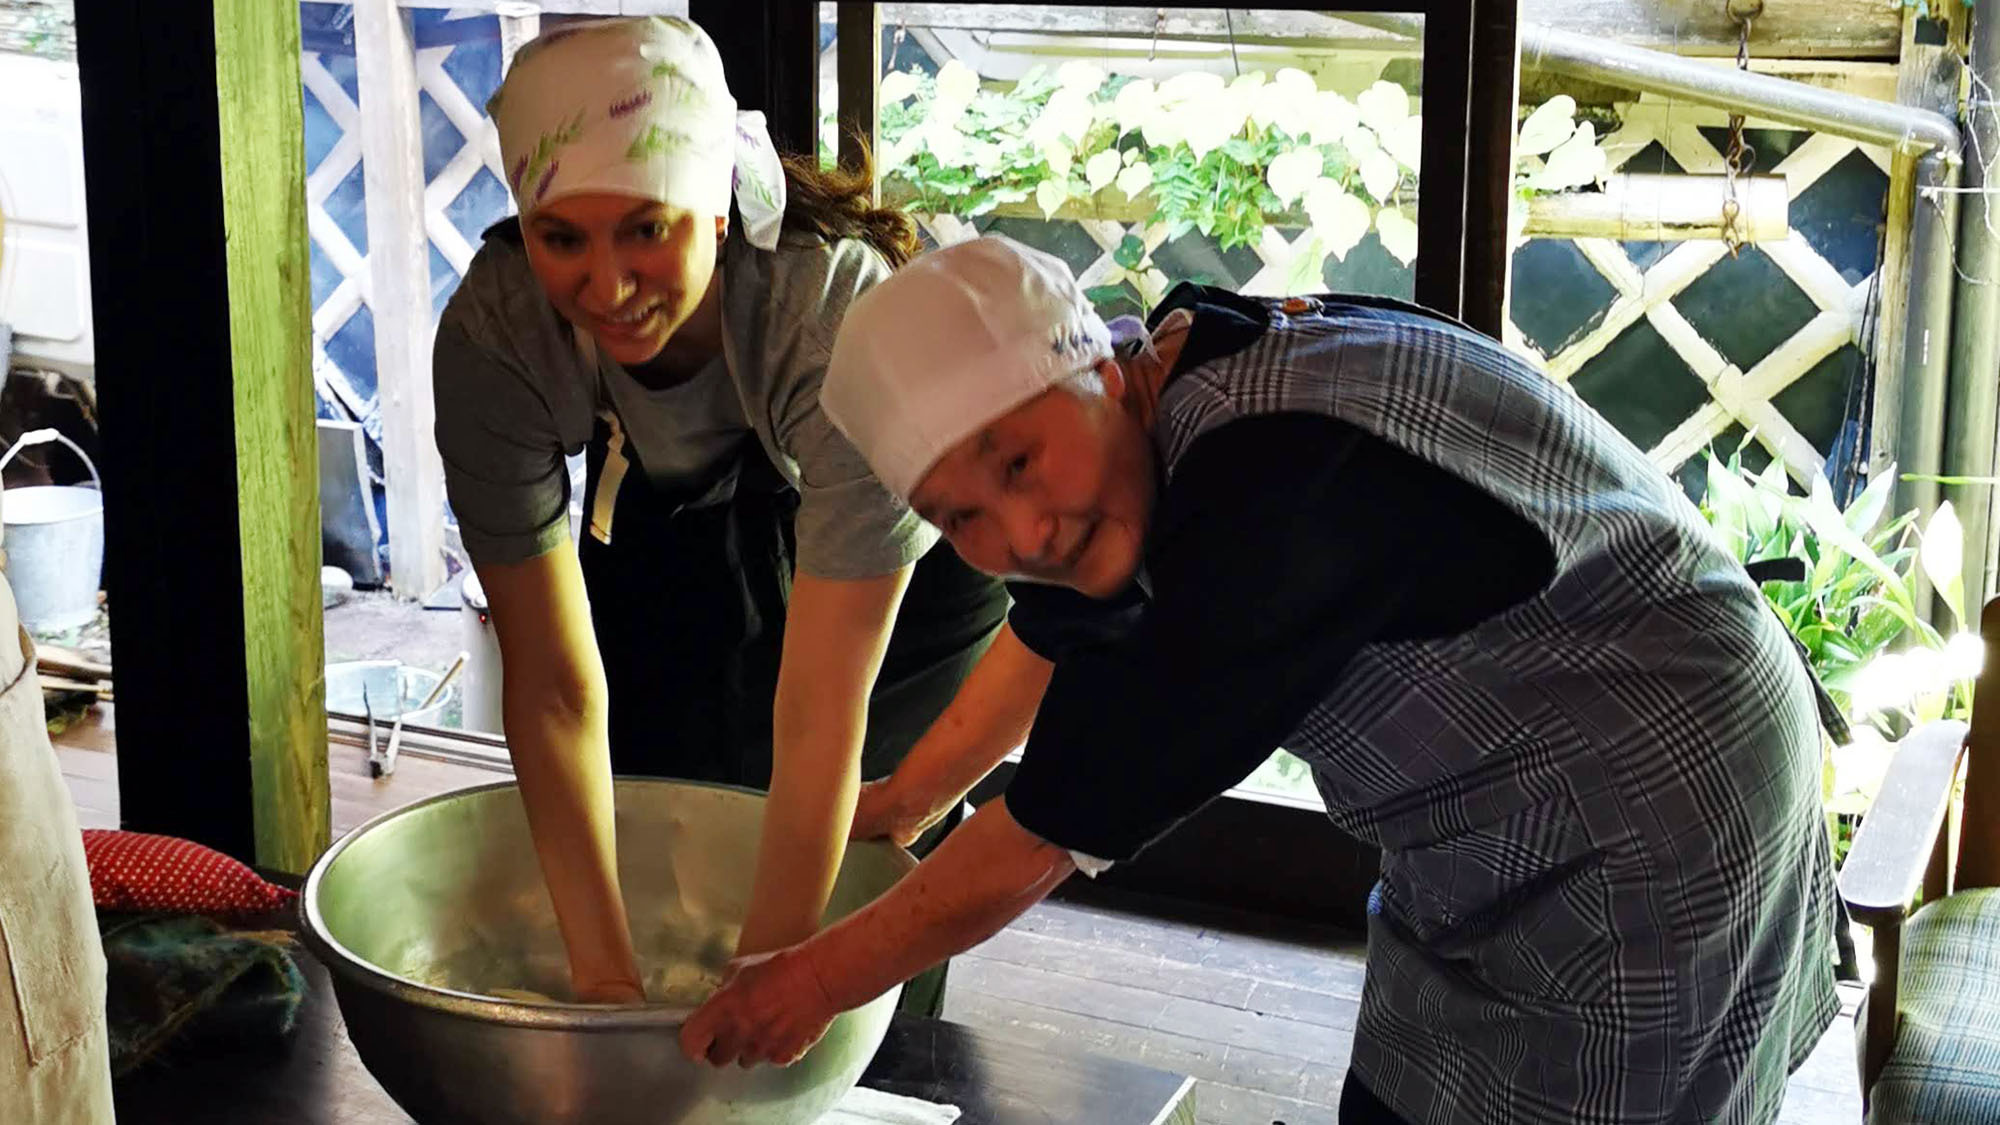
[{"x": 982, "y": 877}]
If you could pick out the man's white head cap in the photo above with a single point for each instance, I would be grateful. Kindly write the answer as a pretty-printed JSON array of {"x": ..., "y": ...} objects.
[{"x": 951, "y": 342}]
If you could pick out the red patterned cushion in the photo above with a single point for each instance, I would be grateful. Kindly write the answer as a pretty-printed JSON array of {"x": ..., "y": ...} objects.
[{"x": 164, "y": 874}]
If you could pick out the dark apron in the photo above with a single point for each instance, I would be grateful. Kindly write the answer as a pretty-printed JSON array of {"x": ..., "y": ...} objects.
[{"x": 688, "y": 604}]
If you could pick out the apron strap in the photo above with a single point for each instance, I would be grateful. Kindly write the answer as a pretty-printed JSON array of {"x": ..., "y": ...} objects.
[
  {"x": 605, "y": 504},
  {"x": 612, "y": 475}
]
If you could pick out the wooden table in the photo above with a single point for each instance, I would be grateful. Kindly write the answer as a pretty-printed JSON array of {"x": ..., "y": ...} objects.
[{"x": 316, "y": 1079}]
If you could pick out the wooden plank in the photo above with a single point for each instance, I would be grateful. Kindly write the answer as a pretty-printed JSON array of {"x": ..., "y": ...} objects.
[
  {"x": 270, "y": 319},
  {"x": 1892, "y": 307},
  {"x": 1152, "y": 1012},
  {"x": 1495, "y": 84},
  {"x": 1208, "y": 1059},
  {"x": 1308, "y": 869},
  {"x": 770, "y": 50},
  {"x": 399, "y": 294},
  {"x": 1443, "y": 183},
  {"x": 1847, "y": 29},
  {"x": 1865, "y": 79},
  {"x": 1304, "y": 1005},
  {"x": 88, "y": 753},
  {"x": 1261, "y": 947},
  {"x": 1171, "y": 978},
  {"x": 1232, "y": 1105},
  {"x": 1893, "y": 846},
  {"x": 858, "y": 59}
]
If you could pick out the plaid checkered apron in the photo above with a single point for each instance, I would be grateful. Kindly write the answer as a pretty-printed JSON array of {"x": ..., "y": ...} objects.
[{"x": 1606, "y": 891}]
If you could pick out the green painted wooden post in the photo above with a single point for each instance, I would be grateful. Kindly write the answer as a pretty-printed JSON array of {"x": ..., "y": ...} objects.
[
  {"x": 195, "y": 172},
  {"x": 270, "y": 335}
]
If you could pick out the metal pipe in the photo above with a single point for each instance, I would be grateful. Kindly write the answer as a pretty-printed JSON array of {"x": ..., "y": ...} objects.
[
  {"x": 1972, "y": 406},
  {"x": 1906, "y": 128},
  {"x": 1927, "y": 342}
]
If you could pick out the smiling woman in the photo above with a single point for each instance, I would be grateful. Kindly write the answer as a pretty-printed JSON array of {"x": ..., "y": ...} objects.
[
  {"x": 749, "y": 605},
  {"x": 632, "y": 273}
]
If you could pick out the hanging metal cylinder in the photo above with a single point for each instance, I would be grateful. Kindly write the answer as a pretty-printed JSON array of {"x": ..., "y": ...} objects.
[{"x": 1653, "y": 207}]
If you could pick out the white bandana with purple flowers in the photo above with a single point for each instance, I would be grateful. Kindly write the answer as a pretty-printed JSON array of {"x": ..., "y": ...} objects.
[{"x": 635, "y": 107}]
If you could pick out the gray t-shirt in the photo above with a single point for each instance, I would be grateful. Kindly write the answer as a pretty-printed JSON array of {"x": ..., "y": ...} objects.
[{"x": 515, "y": 395}]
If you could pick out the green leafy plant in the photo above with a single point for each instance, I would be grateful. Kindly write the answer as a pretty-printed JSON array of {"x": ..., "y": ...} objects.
[
  {"x": 1228, "y": 158},
  {"x": 1207, "y": 154},
  {"x": 1859, "y": 596},
  {"x": 1855, "y": 612}
]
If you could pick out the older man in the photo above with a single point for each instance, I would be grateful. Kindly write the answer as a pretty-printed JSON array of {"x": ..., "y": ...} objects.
[{"x": 1503, "y": 640}]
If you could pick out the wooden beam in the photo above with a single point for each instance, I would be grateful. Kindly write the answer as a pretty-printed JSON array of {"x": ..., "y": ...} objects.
[
  {"x": 770, "y": 50},
  {"x": 1494, "y": 86},
  {"x": 1443, "y": 182},
  {"x": 270, "y": 325},
  {"x": 858, "y": 60},
  {"x": 399, "y": 294},
  {"x": 196, "y": 158},
  {"x": 1847, "y": 29}
]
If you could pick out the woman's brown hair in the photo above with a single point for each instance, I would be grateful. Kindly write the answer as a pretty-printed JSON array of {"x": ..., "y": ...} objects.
[{"x": 837, "y": 203}]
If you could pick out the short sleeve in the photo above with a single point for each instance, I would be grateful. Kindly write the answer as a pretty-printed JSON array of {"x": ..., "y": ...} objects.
[
  {"x": 502, "y": 449},
  {"x": 1056, "y": 622},
  {"x": 848, "y": 525}
]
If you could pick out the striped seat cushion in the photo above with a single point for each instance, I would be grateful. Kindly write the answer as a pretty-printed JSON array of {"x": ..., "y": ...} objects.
[{"x": 1945, "y": 1068}]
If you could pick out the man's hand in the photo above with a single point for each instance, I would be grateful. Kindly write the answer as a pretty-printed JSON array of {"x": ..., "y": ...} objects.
[{"x": 771, "y": 1008}]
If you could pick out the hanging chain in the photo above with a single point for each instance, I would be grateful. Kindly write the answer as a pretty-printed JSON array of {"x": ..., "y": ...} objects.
[{"x": 1737, "y": 162}]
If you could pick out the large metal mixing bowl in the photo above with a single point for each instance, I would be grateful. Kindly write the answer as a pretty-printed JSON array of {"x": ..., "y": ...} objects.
[{"x": 424, "y": 914}]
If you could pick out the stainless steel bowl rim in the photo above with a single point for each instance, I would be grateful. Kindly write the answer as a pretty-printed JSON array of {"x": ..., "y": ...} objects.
[{"x": 570, "y": 1017}]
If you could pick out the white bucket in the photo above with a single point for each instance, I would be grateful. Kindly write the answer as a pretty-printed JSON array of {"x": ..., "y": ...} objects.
[
  {"x": 54, "y": 539},
  {"x": 388, "y": 687}
]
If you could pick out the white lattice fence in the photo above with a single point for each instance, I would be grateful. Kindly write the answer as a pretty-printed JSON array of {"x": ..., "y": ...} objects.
[
  {"x": 333, "y": 312},
  {"x": 478, "y": 149},
  {"x": 1735, "y": 396}
]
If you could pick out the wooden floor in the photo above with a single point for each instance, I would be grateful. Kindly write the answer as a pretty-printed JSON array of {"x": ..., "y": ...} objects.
[{"x": 1261, "y": 1014}]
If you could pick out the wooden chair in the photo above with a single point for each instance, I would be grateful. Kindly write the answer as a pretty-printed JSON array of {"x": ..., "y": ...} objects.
[{"x": 1929, "y": 1031}]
